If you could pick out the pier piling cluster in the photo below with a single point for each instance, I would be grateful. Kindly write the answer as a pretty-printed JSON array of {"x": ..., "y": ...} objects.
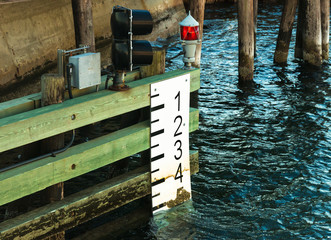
[{"x": 312, "y": 37}]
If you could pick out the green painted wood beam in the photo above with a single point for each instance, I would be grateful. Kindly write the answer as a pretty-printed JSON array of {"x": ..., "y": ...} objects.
[
  {"x": 32, "y": 101},
  {"x": 82, "y": 206},
  {"x": 51, "y": 120},
  {"x": 77, "y": 160}
]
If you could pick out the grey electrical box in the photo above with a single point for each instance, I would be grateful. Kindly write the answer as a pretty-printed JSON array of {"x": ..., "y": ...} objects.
[{"x": 86, "y": 70}]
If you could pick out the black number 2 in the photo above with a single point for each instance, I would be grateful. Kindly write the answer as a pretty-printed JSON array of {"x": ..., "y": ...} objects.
[{"x": 180, "y": 123}]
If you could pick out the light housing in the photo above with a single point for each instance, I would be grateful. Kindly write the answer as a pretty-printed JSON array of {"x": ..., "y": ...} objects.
[
  {"x": 189, "y": 33},
  {"x": 127, "y": 52},
  {"x": 190, "y": 37}
]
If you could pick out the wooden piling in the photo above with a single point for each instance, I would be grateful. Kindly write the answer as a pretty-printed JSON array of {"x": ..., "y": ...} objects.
[
  {"x": 52, "y": 92},
  {"x": 256, "y": 10},
  {"x": 301, "y": 22},
  {"x": 197, "y": 8},
  {"x": 246, "y": 39},
  {"x": 157, "y": 66},
  {"x": 312, "y": 34},
  {"x": 325, "y": 17},
  {"x": 285, "y": 31},
  {"x": 83, "y": 21}
]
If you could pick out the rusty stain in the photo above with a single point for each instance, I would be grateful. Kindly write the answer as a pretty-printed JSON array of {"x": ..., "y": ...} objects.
[
  {"x": 182, "y": 196},
  {"x": 173, "y": 176}
]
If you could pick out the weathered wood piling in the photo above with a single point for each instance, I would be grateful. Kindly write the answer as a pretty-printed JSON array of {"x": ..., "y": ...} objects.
[
  {"x": 83, "y": 21},
  {"x": 325, "y": 17},
  {"x": 300, "y": 27},
  {"x": 256, "y": 11},
  {"x": 197, "y": 8},
  {"x": 285, "y": 31},
  {"x": 52, "y": 92},
  {"x": 312, "y": 34},
  {"x": 312, "y": 37},
  {"x": 246, "y": 39}
]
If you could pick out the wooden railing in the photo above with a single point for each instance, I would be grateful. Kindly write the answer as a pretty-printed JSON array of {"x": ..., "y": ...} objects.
[{"x": 23, "y": 121}]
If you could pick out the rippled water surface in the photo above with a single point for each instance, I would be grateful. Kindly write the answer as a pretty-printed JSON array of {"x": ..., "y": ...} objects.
[{"x": 265, "y": 151}]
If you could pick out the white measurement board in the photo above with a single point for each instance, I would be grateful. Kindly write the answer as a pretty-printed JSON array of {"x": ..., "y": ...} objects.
[{"x": 170, "y": 164}]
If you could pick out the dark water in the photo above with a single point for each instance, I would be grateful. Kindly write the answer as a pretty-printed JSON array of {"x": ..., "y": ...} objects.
[{"x": 265, "y": 151}]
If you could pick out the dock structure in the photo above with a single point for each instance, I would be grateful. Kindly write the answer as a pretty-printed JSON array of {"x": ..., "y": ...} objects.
[{"x": 24, "y": 121}]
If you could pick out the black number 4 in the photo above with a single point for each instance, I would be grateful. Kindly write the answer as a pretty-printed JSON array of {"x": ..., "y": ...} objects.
[{"x": 179, "y": 173}]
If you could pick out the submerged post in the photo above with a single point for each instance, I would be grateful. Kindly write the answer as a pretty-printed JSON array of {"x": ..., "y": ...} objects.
[
  {"x": 256, "y": 10},
  {"x": 83, "y": 21},
  {"x": 197, "y": 8},
  {"x": 52, "y": 92},
  {"x": 325, "y": 15},
  {"x": 312, "y": 34},
  {"x": 246, "y": 39},
  {"x": 285, "y": 31},
  {"x": 300, "y": 27}
]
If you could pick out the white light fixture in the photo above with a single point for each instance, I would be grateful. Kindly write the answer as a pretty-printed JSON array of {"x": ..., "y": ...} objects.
[{"x": 190, "y": 37}]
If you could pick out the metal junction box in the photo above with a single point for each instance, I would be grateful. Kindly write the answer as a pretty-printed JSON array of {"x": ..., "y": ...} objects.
[{"x": 86, "y": 70}]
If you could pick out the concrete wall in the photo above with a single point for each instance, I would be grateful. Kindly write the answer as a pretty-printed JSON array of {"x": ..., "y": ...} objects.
[{"x": 31, "y": 31}]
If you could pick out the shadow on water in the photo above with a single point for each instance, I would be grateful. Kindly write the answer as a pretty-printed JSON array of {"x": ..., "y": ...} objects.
[{"x": 264, "y": 149}]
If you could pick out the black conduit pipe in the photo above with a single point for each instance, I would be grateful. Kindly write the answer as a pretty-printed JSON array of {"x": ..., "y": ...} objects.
[
  {"x": 69, "y": 67},
  {"x": 51, "y": 154}
]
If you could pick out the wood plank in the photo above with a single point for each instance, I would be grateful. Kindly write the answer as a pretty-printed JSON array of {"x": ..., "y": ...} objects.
[
  {"x": 32, "y": 101},
  {"x": 18, "y": 105},
  {"x": 78, "y": 160},
  {"x": 81, "y": 207},
  {"x": 51, "y": 120}
]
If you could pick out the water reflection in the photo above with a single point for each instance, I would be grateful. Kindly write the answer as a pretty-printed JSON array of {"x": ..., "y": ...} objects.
[{"x": 264, "y": 149}]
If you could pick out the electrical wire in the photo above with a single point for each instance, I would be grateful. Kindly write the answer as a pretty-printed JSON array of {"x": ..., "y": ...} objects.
[
  {"x": 51, "y": 154},
  {"x": 69, "y": 73}
]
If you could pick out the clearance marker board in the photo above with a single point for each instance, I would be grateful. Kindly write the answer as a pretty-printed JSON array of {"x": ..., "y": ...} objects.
[{"x": 170, "y": 164}]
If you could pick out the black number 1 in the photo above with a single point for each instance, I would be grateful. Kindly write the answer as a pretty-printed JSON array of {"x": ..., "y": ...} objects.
[{"x": 178, "y": 96}]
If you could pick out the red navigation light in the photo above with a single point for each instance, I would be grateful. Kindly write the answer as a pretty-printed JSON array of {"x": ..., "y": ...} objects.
[{"x": 189, "y": 33}]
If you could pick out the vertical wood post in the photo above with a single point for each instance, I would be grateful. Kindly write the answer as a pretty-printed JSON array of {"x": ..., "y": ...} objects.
[
  {"x": 285, "y": 31},
  {"x": 157, "y": 66},
  {"x": 83, "y": 21},
  {"x": 325, "y": 16},
  {"x": 301, "y": 23},
  {"x": 52, "y": 92},
  {"x": 246, "y": 39},
  {"x": 312, "y": 34},
  {"x": 256, "y": 10},
  {"x": 197, "y": 8}
]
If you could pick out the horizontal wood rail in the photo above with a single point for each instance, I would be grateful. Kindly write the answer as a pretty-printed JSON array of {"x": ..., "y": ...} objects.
[
  {"x": 83, "y": 206},
  {"x": 22, "y": 121},
  {"x": 77, "y": 160},
  {"x": 32, "y": 101},
  {"x": 37, "y": 124}
]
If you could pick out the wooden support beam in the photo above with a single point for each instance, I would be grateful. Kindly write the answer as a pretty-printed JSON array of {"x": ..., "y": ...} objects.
[
  {"x": 325, "y": 15},
  {"x": 81, "y": 207},
  {"x": 197, "y": 8},
  {"x": 78, "y": 160},
  {"x": 312, "y": 34},
  {"x": 246, "y": 40},
  {"x": 32, "y": 101},
  {"x": 256, "y": 11},
  {"x": 83, "y": 21},
  {"x": 285, "y": 31},
  {"x": 51, "y": 120},
  {"x": 52, "y": 92},
  {"x": 301, "y": 23}
]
